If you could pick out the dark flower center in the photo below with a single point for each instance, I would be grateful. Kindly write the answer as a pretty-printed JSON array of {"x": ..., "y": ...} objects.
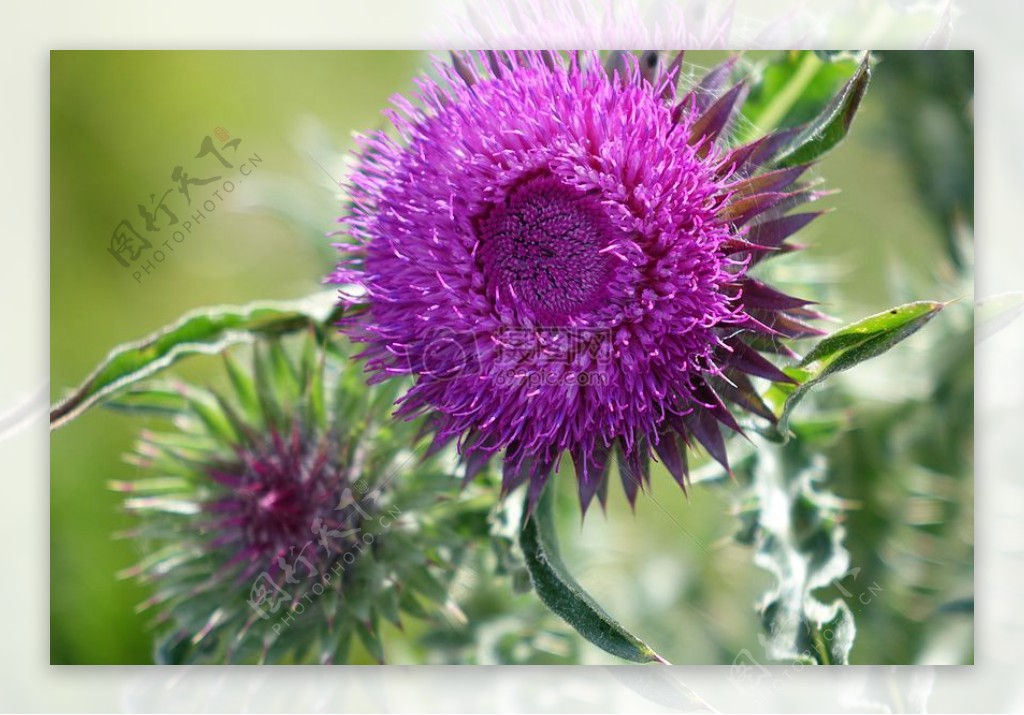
[
  {"x": 274, "y": 515},
  {"x": 283, "y": 500},
  {"x": 543, "y": 244}
]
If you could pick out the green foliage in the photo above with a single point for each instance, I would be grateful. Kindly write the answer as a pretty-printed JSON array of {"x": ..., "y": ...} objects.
[
  {"x": 795, "y": 525},
  {"x": 830, "y": 126},
  {"x": 799, "y": 539},
  {"x": 410, "y": 537},
  {"x": 504, "y": 622},
  {"x": 563, "y": 595},
  {"x": 206, "y": 331},
  {"x": 852, "y": 345},
  {"x": 792, "y": 88},
  {"x": 812, "y": 96},
  {"x": 901, "y": 458},
  {"x": 905, "y": 465}
]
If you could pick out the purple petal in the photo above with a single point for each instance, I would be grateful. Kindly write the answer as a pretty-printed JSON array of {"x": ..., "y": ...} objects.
[
  {"x": 772, "y": 233},
  {"x": 711, "y": 123},
  {"x": 514, "y": 473},
  {"x": 705, "y": 429},
  {"x": 742, "y": 210},
  {"x": 771, "y": 181},
  {"x": 539, "y": 475},
  {"x": 591, "y": 471},
  {"x": 758, "y": 295},
  {"x": 751, "y": 362},
  {"x": 711, "y": 84},
  {"x": 634, "y": 469},
  {"x": 671, "y": 77},
  {"x": 787, "y": 326},
  {"x": 738, "y": 389},
  {"x": 674, "y": 458}
]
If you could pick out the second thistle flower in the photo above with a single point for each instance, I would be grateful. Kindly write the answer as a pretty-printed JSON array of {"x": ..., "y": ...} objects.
[{"x": 281, "y": 518}]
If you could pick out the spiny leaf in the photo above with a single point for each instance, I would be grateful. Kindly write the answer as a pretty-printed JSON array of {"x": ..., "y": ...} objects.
[
  {"x": 856, "y": 343},
  {"x": 370, "y": 639},
  {"x": 266, "y": 389},
  {"x": 793, "y": 88},
  {"x": 798, "y": 534},
  {"x": 313, "y": 400},
  {"x": 206, "y": 331},
  {"x": 219, "y": 424},
  {"x": 162, "y": 398},
  {"x": 244, "y": 386},
  {"x": 286, "y": 377},
  {"x": 830, "y": 127},
  {"x": 563, "y": 595}
]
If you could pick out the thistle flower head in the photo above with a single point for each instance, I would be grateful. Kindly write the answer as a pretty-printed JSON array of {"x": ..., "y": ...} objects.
[
  {"x": 558, "y": 251},
  {"x": 277, "y": 522}
]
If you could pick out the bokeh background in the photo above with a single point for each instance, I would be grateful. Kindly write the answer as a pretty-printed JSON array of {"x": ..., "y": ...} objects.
[{"x": 900, "y": 230}]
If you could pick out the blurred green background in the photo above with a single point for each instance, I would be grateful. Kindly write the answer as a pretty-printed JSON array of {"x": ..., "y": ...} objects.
[{"x": 900, "y": 230}]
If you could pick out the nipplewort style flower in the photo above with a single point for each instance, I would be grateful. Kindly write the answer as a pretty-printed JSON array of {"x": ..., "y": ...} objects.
[
  {"x": 558, "y": 251},
  {"x": 279, "y": 521}
]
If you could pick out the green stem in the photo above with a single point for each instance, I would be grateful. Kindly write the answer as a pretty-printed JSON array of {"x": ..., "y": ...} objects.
[
  {"x": 822, "y": 648},
  {"x": 776, "y": 111}
]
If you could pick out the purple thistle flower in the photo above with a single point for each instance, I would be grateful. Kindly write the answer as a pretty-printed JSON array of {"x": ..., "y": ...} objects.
[{"x": 558, "y": 252}]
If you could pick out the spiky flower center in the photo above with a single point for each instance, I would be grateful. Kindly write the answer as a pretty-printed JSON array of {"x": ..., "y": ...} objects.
[
  {"x": 543, "y": 246},
  {"x": 272, "y": 514},
  {"x": 282, "y": 498}
]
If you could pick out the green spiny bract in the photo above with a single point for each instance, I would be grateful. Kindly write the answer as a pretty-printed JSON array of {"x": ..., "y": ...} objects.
[{"x": 285, "y": 514}]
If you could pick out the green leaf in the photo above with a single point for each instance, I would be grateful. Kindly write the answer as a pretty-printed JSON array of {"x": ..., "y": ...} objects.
[
  {"x": 370, "y": 639},
  {"x": 164, "y": 399},
  {"x": 793, "y": 88},
  {"x": 560, "y": 592},
  {"x": 313, "y": 362},
  {"x": 387, "y": 605},
  {"x": 856, "y": 343},
  {"x": 212, "y": 415},
  {"x": 207, "y": 331},
  {"x": 830, "y": 127},
  {"x": 286, "y": 378},
  {"x": 244, "y": 386},
  {"x": 797, "y": 529},
  {"x": 266, "y": 389}
]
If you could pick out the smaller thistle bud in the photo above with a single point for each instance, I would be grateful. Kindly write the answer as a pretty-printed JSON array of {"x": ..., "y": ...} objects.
[{"x": 280, "y": 520}]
